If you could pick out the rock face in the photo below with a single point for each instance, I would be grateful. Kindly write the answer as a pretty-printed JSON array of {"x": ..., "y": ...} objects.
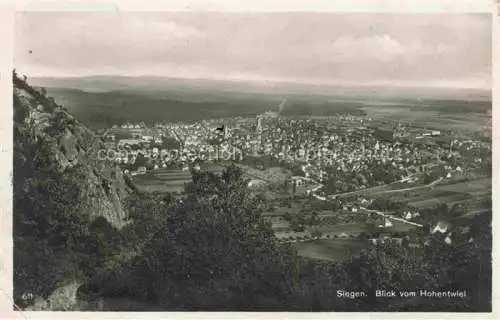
[{"x": 70, "y": 147}]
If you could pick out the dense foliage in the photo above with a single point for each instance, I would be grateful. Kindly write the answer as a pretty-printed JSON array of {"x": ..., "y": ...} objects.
[
  {"x": 51, "y": 233},
  {"x": 212, "y": 251},
  {"x": 54, "y": 241}
]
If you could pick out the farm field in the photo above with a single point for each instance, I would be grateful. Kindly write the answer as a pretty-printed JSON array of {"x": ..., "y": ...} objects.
[
  {"x": 359, "y": 227},
  {"x": 430, "y": 114},
  {"x": 432, "y": 202},
  {"x": 281, "y": 226},
  {"x": 348, "y": 228},
  {"x": 397, "y": 226},
  {"x": 282, "y": 210},
  {"x": 163, "y": 180},
  {"x": 450, "y": 193},
  {"x": 331, "y": 250},
  {"x": 327, "y": 213},
  {"x": 382, "y": 189},
  {"x": 482, "y": 185},
  {"x": 273, "y": 174}
]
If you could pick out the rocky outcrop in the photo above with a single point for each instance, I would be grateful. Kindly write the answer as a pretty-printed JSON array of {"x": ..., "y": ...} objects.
[{"x": 70, "y": 147}]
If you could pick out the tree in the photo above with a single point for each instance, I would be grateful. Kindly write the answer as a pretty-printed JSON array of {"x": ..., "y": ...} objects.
[
  {"x": 52, "y": 240},
  {"x": 215, "y": 249},
  {"x": 141, "y": 161},
  {"x": 297, "y": 224},
  {"x": 50, "y": 234}
]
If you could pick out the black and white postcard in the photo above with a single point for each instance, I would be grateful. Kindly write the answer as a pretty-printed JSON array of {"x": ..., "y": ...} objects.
[{"x": 251, "y": 160}]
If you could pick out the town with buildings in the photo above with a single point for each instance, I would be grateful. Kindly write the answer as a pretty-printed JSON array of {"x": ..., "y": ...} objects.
[{"x": 346, "y": 170}]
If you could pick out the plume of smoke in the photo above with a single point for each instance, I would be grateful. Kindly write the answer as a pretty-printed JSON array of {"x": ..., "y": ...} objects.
[{"x": 281, "y": 107}]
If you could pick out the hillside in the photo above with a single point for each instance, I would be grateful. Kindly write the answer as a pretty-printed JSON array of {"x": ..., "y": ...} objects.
[
  {"x": 39, "y": 123},
  {"x": 61, "y": 192}
]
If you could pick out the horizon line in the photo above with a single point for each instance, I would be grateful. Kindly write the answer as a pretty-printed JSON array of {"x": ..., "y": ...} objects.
[{"x": 273, "y": 81}]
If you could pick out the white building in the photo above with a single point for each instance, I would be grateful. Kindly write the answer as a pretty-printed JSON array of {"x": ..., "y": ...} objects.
[
  {"x": 129, "y": 142},
  {"x": 440, "y": 227},
  {"x": 448, "y": 239},
  {"x": 255, "y": 182}
]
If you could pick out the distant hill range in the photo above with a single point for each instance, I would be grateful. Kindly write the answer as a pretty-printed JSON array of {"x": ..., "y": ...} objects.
[
  {"x": 152, "y": 83},
  {"x": 103, "y": 101}
]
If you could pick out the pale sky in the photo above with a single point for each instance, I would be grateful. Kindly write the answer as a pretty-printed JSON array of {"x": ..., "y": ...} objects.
[{"x": 447, "y": 50}]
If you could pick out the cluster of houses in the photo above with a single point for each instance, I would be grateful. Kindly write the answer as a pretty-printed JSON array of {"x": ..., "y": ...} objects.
[
  {"x": 129, "y": 125},
  {"x": 349, "y": 151},
  {"x": 342, "y": 149},
  {"x": 306, "y": 237},
  {"x": 409, "y": 215},
  {"x": 411, "y": 243},
  {"x": 141, "y": 170},
  {"x": 409, "y": 179},
  {"x": 433, "y": 133}
]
